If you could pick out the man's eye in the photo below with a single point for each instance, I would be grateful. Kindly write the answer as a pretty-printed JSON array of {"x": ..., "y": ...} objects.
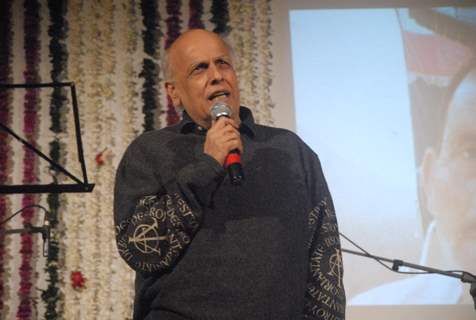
[{"x": 200, "y": 67}]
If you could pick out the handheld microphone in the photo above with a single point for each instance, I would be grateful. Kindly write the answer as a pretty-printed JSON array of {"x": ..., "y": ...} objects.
[{"x": 233, "y": 160}]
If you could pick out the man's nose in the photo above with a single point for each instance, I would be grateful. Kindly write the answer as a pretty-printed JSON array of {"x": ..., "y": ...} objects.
[{"x": 215, "y": 74}]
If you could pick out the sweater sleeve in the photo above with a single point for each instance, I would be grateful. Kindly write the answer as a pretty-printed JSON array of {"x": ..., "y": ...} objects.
[
  {"x": 325, "y": 294},
  {"x": 156, "y": 220}
]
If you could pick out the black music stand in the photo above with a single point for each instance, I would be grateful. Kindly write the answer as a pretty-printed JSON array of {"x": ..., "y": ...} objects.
[{"x": 80, "y": 185}]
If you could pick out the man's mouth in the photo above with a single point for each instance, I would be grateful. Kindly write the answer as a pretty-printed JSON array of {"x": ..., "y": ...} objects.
[{"x": 218, "y": 94}]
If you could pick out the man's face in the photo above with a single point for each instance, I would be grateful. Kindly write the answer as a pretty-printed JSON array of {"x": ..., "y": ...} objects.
[
  {"x": 202, "y": 74},
  {"x": 451, "y": 183}
]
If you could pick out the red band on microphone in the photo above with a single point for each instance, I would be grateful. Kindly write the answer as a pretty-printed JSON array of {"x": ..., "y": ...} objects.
[{"x": 231, "y": 159}]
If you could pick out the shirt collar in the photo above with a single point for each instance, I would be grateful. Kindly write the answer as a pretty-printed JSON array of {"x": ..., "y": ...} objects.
[{"x": 247, "y": 126}]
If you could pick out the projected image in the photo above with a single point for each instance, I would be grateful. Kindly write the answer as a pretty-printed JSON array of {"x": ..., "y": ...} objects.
[{"x": 402, "y": 166}]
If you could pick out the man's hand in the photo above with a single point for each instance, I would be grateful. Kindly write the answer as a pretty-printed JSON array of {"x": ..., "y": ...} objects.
[{"x": 222, "y": 137}]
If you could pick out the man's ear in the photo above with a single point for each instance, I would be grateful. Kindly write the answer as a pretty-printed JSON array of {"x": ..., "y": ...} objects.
[{"x": 172, "y": 92}]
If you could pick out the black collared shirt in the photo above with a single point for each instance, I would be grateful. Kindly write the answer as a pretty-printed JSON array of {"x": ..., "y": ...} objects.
[
  {"x": 206, "y": 249},
  {"x": 247, "y": 125}
]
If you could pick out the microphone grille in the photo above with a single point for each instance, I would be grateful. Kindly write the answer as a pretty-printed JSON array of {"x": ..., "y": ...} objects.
[{"x": 220, "y": 109}]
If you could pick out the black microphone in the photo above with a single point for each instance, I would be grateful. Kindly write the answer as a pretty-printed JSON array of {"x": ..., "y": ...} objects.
[{"x": 233, "y": 160}]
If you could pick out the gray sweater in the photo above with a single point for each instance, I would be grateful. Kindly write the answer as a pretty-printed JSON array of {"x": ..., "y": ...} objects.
[{"x": 203, "y": 248}]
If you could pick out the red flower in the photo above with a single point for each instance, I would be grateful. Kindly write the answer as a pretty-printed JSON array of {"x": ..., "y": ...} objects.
[
  {"x": 100, "y": 158},
  {"x": 77, "y": 280}
]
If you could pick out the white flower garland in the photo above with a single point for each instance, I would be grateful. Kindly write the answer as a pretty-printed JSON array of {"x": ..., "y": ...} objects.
[
  {"x": 74, "y": 205},
  {"x": 96, "y": 92},
  {"x": 264, "y": 58},
  {"x": 236, "y": 37},
  {"x": 249, "y": 58},
  {"x": 104, "y": 195},
  {"x": 250, "y": 37},
  {"x": 127, "y": 23}
]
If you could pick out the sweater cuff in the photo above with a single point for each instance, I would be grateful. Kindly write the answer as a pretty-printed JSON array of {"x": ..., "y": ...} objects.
[{"x": 202, "y": 178}]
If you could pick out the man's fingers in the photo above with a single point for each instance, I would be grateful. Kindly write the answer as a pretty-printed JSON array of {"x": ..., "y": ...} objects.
[
  {"x": 223, "y": 122},
  {"x": 233, "y": 143},
  {"x": 222, "y": 137},
  {"x": 226, "y": 132}
]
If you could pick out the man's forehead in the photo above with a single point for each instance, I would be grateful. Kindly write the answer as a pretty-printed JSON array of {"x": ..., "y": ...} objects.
[
  {"x": 201, "y": 48},
  {"x": 196, "y": 46}
]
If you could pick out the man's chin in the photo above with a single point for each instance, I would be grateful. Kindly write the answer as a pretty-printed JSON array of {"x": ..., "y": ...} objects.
[{"x": 226, "y": 100}]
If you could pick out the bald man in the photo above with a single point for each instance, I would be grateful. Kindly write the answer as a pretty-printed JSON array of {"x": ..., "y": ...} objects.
[{"x": 205, "y": 248}]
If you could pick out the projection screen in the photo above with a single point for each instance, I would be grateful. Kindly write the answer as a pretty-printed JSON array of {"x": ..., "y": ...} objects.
[{"x": 387, "y": 99}]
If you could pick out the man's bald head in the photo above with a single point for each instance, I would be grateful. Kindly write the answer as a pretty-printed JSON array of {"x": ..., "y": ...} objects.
[
  {"x": 189, "y": 35},
  {"x": 199, "y": 72}
]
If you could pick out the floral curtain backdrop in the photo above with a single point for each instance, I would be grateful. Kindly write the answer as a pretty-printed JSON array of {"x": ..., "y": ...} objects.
[{"x": 112, "y": 50}]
